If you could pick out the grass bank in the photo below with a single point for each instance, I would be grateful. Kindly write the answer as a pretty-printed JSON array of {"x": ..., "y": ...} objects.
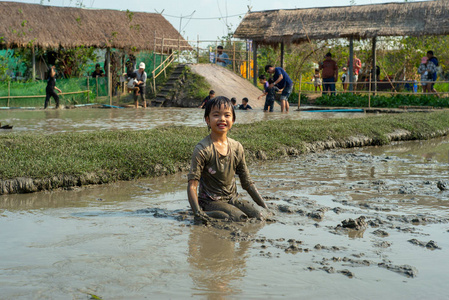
[{"x": 33, "y": 162}]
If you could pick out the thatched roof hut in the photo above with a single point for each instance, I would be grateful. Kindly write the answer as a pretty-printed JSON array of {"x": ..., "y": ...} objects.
[
  {"x": 358, "y": 21},
  {"x": 51, "y": 27}
]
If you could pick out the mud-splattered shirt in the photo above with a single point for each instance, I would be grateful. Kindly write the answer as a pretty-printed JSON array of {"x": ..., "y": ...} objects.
[{"x": 216, "y": 173}]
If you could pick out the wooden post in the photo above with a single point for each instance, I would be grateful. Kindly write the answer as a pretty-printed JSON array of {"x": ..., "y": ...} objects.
[
  {"x": 254, "y": 63},
  {"x": 282, "y": 54},
  {"x": 162, "y": 55},
  {"x": 108, "y": 52},
  {"x": 198, "y": 49},
  {"x": 9, "y": 91},
  {"x": 88, "y": 100},
  {"x": 96, "y": 77},
  {"x": 233, "y": 58},
  {"x": 374, "y": 74},
  {"x": 351, "y": 63},
  {"x": 299, "y": 91},
  {"x": 369, "y": 93},
  {"x": 179, "y": 49},
  {"x": 154, "y": 51},
  {"x": 33, "y": 55}
]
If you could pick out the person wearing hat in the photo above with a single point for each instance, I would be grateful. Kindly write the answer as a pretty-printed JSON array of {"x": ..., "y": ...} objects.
[
  {"x": 141, "y": 77},
  {"x": 329, "y": 74}
]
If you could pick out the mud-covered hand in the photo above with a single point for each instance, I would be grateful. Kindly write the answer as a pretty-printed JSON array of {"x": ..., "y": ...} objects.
[{"x": 252, "y": 191}]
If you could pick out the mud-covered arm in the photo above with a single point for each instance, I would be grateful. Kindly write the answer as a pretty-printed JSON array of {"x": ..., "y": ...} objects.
[
  {"x": 254, "y": 193},
  {"x": 245, "y": 180},
  {"x": 192, "y": 193}
]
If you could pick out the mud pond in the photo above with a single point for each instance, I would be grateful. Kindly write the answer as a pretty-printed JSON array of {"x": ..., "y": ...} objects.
[
  {"x": 89, "y": 119},
  {"x": 366, "y": 223}
]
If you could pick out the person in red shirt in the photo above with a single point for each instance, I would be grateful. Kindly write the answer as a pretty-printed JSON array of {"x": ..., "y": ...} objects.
[{"x": 329, "y": 74}]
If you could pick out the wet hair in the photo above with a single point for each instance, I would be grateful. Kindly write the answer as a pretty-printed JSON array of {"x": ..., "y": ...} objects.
[
  {"x": 211, "y": 92},
  {"x": 267, "y": 67},
  {"x": 270, "y": 80},
  {"x": 218, "y": 102},
  {"x": 430, "y": 52},
  {"x": 245, "y": 99},
  {"x": 233, "y": 100},
  {"x": 262, "y": 77}
]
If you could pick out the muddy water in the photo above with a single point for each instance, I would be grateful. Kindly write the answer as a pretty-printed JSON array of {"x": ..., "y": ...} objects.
[
  {"x": 88, "y": 119},
  {"x": 135, "y": 240}
]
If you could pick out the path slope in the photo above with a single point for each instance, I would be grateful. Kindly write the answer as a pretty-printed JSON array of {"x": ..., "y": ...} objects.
[{"x": 226, "y": 83}]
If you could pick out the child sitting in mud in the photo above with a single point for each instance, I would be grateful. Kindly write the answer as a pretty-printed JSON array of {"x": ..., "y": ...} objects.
[{"x": 215, "y": 161}]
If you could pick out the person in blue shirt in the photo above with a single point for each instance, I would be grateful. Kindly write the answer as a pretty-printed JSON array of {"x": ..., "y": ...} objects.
[
  {"x": 245, "y": 105},
  {"x": 222, "y": 58},
  {"x": 283, "y": 82}
]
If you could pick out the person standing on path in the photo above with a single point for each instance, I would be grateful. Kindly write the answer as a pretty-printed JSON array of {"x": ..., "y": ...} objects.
[
  {"x": 329, "y": 73},
  {"x": 356, "y": 66},
  {"x": 141, "y": 77},
  {"x": 283, "y": 82},
  {"x": 222, "y": 58},
  {"x": 51, "y": 87}
]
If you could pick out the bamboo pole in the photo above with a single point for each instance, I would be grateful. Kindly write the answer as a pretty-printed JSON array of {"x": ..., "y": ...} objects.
[
  {"x": 33, "y": 55},
  {"x": 154, "y": 51},
  {"x": 109, "y": 76},
  {"x": 369, "y": 92},
  {"x": 162, "y": 54},
  {"x": 42, "y": 96},
  {"x": 179, "y": 49}
]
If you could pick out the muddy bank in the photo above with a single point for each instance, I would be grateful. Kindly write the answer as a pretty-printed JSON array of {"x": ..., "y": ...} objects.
[{"x": 30, "y": 185}]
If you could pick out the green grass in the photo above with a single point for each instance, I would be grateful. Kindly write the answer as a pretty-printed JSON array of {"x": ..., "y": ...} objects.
[{"x": 126, "y": 155}]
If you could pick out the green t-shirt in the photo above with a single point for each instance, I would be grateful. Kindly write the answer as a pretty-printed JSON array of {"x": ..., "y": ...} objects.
[{"x": 216, "y": 173}]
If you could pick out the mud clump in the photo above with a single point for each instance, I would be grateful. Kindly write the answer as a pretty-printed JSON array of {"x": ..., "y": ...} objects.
[
  {"x": 380, "y": 233},
  {"x": 429, "y": 245},
  {"x": 357, "y": 224},
  {"x": 405, "y": 270},
  {"x": 443, "y": 185}
]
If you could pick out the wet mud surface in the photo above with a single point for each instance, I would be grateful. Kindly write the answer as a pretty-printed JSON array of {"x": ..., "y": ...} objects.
[
  {"x": 359, "y": 224},
  {"x": 89, "y": 119}
]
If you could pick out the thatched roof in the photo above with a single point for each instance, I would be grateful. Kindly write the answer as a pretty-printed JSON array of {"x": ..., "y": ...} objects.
[
  {"x": 359, "y": 21},
  {"x": 68, "y": 27}
]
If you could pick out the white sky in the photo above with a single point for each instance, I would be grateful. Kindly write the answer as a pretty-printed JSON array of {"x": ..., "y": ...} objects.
[{"x": 217, "y": 10}]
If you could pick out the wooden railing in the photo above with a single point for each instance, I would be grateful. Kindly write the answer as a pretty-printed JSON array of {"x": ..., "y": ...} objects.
[{"x": 163, "y": 64}]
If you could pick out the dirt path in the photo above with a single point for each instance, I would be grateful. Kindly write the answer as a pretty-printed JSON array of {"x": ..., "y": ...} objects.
[{"x": 226, "y": 83}]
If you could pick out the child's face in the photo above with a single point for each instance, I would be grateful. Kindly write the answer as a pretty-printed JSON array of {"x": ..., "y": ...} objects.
[
  {"x": 244, "y": 102},
  {"x": 262, "y": 81},
  {"x": 220, "y": 119}
]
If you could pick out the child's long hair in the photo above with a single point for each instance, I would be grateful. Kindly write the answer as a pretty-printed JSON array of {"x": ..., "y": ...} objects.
[{"x": 218, "y": 102}]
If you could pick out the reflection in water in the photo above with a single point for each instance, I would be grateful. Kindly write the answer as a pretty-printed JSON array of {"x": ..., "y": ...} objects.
[{"x": 217, "y": 261}]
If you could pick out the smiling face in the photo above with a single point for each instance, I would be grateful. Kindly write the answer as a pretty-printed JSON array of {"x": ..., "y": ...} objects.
[{"x": 220, "y": 119}]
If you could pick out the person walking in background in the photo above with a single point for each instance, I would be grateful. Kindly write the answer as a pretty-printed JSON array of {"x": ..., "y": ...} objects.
[
  {"x": 222, "y": 58},
  {"x": 434, "y": 60},
  {"x": 329, "y": 73},
  {"x": 51, "y": 87},
  {"x": 283, "y": 82},
  {"x": 141, "y": 77},
  {"x": 356, "y": 65}
]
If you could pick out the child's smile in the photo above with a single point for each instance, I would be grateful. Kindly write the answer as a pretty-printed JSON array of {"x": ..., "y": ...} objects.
[{"x": 220, "y": 119}]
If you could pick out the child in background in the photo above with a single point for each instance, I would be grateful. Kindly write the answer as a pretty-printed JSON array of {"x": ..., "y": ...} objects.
[
  {"x": 215, "y": 161},
  {"x": 245, "y": 105},
  {"x": 205, "y": 100},
  {"x": 343, "y": 79},
  {"x": 51, "y": 87},
  {"x": 317, "y": 80},
  {"x": 234, "y": 103},
  {"x": 270, "y": 93},
  {"x": 132, "y": 84},
  {"x": 427, "y": 68}
]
